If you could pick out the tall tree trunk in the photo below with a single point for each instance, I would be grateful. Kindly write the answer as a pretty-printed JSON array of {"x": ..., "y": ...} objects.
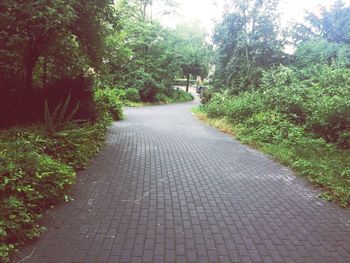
[
  {"x": 144, "y": 12},
  {"x": 31, "y": 60},
  {"x": 188, "y": 82},
  {"x": 29, "y": 75},
  {"x": 246, "y": 36}
]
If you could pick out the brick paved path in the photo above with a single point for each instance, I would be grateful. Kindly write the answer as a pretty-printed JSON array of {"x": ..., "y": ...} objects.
[{"x": 167, "y": 188}]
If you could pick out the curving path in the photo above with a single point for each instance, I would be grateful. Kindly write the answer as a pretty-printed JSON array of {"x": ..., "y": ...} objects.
[{"x": 167, "y": 188}]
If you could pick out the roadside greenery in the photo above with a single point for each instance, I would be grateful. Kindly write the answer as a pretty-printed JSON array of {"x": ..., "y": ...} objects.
[
  {"x": 293, "y": 107},
  {"x": 322, "y": 163},
  {"x": 36, "y": 171},
  {"x": 50, "y": 51},
  {"x": 67, "y": 68}
]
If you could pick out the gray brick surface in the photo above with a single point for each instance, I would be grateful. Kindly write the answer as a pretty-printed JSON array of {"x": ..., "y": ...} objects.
[{"x": 167, "y": 188}]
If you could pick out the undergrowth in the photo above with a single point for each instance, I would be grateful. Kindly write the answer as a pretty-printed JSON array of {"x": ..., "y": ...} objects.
[
  {"x": 37, "y": 168},
  {"x": 322, "y": 163}
]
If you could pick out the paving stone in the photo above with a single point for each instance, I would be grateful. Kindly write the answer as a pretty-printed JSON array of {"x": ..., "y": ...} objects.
[{"x": 167, "y": 188}]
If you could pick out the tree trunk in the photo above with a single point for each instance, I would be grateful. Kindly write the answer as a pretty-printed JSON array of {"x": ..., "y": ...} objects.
[
  {"x": 31, "y": 60},
  {"x": 246, "y": 36},
  {"x": 29, "y": 68},
  {"x": 188, "y": 82}
]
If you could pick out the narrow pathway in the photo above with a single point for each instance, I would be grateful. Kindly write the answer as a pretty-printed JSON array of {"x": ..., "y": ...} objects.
[{"x": 167, "y": 188}]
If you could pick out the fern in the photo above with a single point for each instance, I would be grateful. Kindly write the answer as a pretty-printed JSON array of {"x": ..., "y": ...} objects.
[
  {"x": 55, "y": 112},
  {"x": 63, "y": 110},
  {"x": 48, "y": 122},
  {"x": 57, "y": 120},
  {"x": 74, "y": 111}
]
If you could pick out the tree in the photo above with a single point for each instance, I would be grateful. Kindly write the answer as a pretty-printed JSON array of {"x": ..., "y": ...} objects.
[
  {"x": 332, "y": 25},
  {"x": 321, "y": 52},
  {"x": 28, "y": 29},
  {"x": 193, "y": 50},
  {"x": 246, "y": 42},
  {"x": 43, "y": 41},
  {"x": 144, "y": 11},
  {"x": 150, "y": 55}
]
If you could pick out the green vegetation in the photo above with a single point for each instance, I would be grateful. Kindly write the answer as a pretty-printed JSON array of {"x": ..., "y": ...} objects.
[
  {"x": 36, "y": 171},
  {"x": 293, "y": 107},
  {"x": 67, "y": 67},
  {"x": 50, "y": 51}
]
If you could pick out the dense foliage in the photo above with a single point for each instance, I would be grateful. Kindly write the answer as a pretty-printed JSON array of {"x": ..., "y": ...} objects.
[
  {"x": 295, "y": 107},
  {"x": 247, "y": 42},
  {"x": 51, "y": 49},
  {"x": 67, "y": 67},
  {"x": 152, "y": 56},
  {"x": 35, "y": 173},
  {"x": 46, "y": 50}
]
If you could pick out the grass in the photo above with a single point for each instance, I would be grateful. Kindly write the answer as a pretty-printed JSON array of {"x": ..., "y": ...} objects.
[
  {"x": 325, "y": 165},
  {"x": 221, "y": 124}
]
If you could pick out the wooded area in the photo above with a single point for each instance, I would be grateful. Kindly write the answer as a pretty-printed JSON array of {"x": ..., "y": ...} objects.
[
  {"x": 295, "y": 106},
  {"x": 51, "y": 49},
  {"x": 67, "y": 67}
]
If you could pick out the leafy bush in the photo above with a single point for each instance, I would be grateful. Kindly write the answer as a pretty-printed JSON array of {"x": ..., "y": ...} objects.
[
  {"x": 162, "y": 98},
  {"x": 132, "y": 94},
  {"x": 323, "y": 163},
  {"x": 317, "y": 99},
  {"x": 150, "y": 89},
  {"x": 178, "y": 95},
  {"x": 109, "y": 100},
  {"x": 29, "y": 182},
  {"x": 30, "y": 108},
  {"x": 172, "y": 96},
  {"x": 35, "y": 172},
  {"x": 236, "y": 108},
  {"x": 79, "y": 89},
  {"x": 206, "y": 96},
  {"x": 301, "y": 117},
  {"x": 270, "y": 127}
]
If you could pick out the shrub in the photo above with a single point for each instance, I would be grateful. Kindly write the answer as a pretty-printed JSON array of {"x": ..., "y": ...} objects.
[
  {"x": 332, "y": 120},
  {"x": 162, "y": 98},
  {"x": 80, "y": 90},
  {"x": 237, "y": 108},
  {"x": 206, "y": 96},
  {"x": 299, "y": 117},
  {"x": 26, "y": 106},
  {"x": 317, "y": 99},
  {"x": 132, "y": 94},
  {"x": 215, "y": 108},
  {"x": 109, "y": 100},
  {"x": 35, "y": 172},
  {"x": 244, "y": 106},
  {"x": 29, "y": 183},
  {"x": 182, "y": 96},
  {"x": 177, "y": 95},
  {"x": 149, "y": 90},
  {"x": 76, "y": 146},
  {"x": 270, "y": 127}
]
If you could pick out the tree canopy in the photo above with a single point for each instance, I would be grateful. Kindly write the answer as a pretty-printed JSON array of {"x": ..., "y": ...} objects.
[
  {"x": 116, "y": 43},
  {"x": 247, "y": 41}
]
